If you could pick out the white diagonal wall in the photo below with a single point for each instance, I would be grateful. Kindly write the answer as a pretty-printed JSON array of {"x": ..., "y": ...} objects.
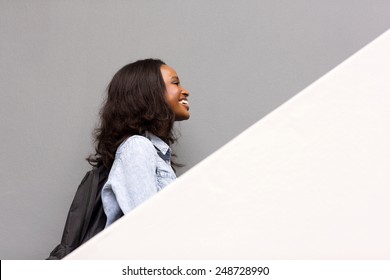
[{"x": 309, "y": 181}]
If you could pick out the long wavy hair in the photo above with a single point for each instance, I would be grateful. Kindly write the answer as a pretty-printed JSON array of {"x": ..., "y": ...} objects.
[{"x": 135, "y": 103}]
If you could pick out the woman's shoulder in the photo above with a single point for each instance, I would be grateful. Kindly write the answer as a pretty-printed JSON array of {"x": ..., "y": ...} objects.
[{"x": 136, "y": 143}]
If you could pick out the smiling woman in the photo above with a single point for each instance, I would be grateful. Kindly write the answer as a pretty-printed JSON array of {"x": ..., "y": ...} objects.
[{"x": 133, "y": 139}]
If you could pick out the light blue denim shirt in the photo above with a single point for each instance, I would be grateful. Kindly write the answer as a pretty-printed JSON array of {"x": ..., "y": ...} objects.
[{"x": 141, "y": 168}]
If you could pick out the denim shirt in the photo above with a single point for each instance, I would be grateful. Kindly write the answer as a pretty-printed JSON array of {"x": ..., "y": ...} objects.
[{"x": 141, "y": 168}]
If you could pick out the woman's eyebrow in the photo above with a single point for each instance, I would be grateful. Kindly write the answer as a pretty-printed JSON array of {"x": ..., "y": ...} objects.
[{"x": 175, "y": 78}]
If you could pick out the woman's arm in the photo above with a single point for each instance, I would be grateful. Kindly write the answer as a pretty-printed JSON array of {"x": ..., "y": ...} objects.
[{"x": 132, "y": 178}]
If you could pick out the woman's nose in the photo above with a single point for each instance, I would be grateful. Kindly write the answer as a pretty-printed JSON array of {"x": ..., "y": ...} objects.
[{"x": 185, "y": 92}]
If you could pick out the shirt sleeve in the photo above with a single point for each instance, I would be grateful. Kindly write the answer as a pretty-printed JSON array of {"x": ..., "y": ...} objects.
[{"x": 133, "y": 176}]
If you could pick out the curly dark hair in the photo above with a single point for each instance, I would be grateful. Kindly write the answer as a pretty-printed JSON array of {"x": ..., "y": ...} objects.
[{"x": 134, "y": 104}]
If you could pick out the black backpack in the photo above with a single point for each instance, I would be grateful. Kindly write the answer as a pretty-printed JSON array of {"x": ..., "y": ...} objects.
[{"x": 86, "y": 216}]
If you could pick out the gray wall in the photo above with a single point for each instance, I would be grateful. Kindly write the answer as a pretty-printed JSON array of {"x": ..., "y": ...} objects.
[{"x": 239, "y": 59}]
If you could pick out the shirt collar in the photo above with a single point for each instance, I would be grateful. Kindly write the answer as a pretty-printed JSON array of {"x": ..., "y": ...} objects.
[{"x": 159, "y": 144}]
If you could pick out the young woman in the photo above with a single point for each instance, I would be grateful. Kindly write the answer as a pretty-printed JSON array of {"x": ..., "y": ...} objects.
[{"x": 135, "y": 133}]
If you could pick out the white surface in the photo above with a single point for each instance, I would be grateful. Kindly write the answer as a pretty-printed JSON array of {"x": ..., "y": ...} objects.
[{"x": 309, "y": 181}]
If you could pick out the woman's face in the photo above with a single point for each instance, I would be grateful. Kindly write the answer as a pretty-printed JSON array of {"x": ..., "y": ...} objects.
[{"x": 176, "y": 96}]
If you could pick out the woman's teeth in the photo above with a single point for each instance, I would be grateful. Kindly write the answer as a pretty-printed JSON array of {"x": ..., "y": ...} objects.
[{"x": 184, "y": 102}]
